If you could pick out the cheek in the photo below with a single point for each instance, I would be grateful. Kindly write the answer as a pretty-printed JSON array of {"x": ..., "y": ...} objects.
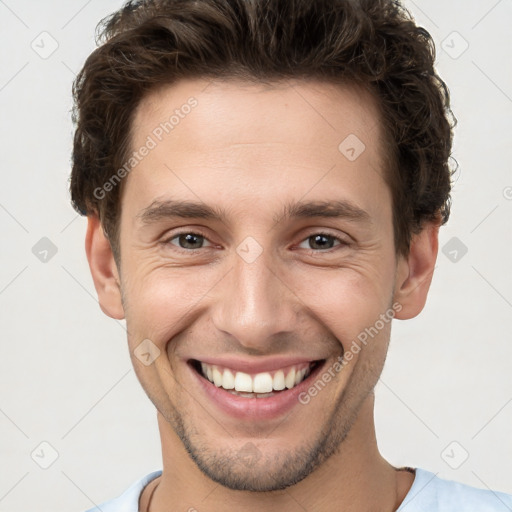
[
  {"x": 161, "y": 300},
  {"x": 346, "y": 300}
]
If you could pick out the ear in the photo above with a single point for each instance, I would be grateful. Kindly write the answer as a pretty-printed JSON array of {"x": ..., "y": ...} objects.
[
  {"x": 414, "y": 272},
  {"x": 103, "y": 269}
]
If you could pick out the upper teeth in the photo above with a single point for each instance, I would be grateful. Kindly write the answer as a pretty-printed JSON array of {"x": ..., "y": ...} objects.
[{"x": 259, "y": 383}]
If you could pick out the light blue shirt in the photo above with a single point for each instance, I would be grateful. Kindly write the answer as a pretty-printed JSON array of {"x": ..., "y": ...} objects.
[{"x": 428, "y": 493}]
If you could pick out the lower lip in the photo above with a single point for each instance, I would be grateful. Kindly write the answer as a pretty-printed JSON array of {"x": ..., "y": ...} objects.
[{"x": 255, "y": 408}]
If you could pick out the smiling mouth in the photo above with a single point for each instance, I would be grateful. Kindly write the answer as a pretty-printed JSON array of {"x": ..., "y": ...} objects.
[{"x": 258, "y": 385}]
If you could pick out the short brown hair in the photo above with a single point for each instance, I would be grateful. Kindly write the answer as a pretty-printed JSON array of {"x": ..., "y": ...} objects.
[{"x": 373, "y": 43}]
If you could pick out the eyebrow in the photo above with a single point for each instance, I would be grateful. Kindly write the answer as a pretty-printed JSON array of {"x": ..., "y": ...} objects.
[
  {"x": 342, "y": 209},
  {"x": 160, "y": 210}
]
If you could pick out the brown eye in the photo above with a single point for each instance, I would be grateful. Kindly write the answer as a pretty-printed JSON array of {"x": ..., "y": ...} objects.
[
  {"x": 188, "y": 241},
  {"x": 322, "y": 241}
]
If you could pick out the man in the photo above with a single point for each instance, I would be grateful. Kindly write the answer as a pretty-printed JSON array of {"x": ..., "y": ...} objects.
[{"x": 264, "y": 182}]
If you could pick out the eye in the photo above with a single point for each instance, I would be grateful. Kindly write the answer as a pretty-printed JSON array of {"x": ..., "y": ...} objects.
[
  {"x": 188, "y": 241},
  {"x": 322, "y": 241}
]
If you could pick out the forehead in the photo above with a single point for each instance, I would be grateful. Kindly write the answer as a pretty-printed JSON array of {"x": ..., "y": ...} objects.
[
  {"x": 247, "y": 140},
  {"x": 258, "y": 111}
]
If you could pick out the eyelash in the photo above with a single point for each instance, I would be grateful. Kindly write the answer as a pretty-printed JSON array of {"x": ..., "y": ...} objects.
[{"x": 198, "y": 233}]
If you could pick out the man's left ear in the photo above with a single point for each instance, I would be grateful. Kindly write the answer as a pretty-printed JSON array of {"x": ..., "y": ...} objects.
[{"x": 414, "y": 272}]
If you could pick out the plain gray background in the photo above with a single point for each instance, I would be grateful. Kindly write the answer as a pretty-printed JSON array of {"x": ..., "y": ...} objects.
[{"x": 444, "y": 402}]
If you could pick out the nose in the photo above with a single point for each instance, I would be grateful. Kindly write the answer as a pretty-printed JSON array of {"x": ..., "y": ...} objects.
[{"x": 255, "y": 305}]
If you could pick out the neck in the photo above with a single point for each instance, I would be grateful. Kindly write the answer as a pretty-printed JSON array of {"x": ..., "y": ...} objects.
[{"x": 356, "y": 477}]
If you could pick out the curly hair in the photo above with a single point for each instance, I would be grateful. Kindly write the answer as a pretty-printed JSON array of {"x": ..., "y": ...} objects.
[{"x": 371, "y": 43}]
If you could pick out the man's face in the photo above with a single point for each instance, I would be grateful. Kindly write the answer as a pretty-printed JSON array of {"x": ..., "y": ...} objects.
[{"x": 258, "y": 285}]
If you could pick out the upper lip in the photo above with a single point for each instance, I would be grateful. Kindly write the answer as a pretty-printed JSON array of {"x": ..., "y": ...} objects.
[{"x": 257, "y": 364}]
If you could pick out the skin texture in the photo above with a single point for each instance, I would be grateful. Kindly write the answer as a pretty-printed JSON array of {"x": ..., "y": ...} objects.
[{"x": 250, "y": 149}]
